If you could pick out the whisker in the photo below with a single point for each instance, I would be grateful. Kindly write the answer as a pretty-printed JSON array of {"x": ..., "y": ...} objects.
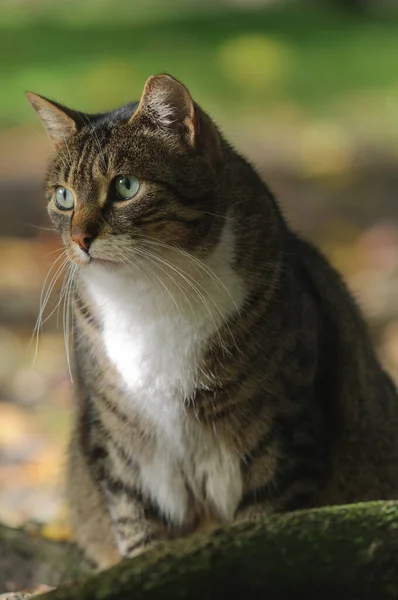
[
  {"x": 194, "y": 260},
  {"x": 206, "y": 270},
  {"x": 225, "y": 217},
  {"x": 36, "y": 226},
  {"x": 52, "y": 252},
  {"x": 154, "y": 276},
  {"x": 67, "y": 315},
  {"x": 193, "y": 284},
  {"x": 211, "y": 274},
  {"x": 42, "y": 294},
  {"x": 162, "y": 260},
  {"x": 57, "y": 306},
  {"x": 45, "y": 295}
]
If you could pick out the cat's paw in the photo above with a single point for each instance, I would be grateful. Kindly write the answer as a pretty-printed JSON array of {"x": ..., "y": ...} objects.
[{"x": 138, "y": 551}]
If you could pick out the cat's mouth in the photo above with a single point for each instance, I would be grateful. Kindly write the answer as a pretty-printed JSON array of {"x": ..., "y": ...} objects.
[{"x": 85, "y": 259}]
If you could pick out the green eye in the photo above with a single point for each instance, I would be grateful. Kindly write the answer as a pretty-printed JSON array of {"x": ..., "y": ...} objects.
[
  {"x": 126, "y": 186},
  {"x": 64, "y": 198}
]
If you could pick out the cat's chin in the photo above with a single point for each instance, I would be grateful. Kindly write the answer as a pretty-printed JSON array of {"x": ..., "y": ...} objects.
[{"x": 103, "y": 262}]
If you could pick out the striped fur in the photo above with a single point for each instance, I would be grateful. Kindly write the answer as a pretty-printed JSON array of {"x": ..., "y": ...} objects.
[{"x": 222, "y": 371}]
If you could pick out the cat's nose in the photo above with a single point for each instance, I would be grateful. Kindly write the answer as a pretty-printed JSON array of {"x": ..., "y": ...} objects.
[{"x": 83, "y": 239}]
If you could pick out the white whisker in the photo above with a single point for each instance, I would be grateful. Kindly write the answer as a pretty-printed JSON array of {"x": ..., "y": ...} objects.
[
  {"x": 198, "y": 292},
  {"x": 67, "y": 314},
  {"x": 45, "y": 295},
  {"x": 147, "y": 256},
  {"x": 193, "y": 259}
]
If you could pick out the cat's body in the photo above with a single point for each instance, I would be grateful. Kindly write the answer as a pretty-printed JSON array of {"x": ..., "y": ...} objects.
[{"x": 222, "y": 371}]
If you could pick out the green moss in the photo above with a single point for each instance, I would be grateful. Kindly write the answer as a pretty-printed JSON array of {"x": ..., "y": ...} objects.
[{"x": 345, "y": 552}]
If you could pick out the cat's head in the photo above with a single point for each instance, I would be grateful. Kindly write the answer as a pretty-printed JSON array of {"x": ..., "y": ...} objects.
[{"x": 145, "y": 174}]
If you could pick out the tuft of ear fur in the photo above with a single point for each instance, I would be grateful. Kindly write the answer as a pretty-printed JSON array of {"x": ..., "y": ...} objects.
[
  {"x": 167, "y": 103},
  {"x": 57, "y": 120}
]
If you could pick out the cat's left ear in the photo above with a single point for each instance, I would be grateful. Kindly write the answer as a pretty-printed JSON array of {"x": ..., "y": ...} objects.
[
  {"x": 59, "y": 122},
  {"x": 167, "y": 103}
]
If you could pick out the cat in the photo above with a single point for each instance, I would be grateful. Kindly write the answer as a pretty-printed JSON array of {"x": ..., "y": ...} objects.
[{"x": 222, "y": 371}]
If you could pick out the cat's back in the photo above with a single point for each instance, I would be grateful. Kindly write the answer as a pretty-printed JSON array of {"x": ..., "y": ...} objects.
[{"x": 361, "y": 400}]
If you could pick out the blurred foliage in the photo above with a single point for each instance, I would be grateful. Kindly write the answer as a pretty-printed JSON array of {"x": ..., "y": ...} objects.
[{"x": 244, "y": 59}]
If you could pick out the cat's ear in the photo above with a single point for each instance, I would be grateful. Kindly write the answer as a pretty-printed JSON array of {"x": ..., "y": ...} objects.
[
  {"x": 167, "y": 103},
  {"x": 59, "y": 122}
]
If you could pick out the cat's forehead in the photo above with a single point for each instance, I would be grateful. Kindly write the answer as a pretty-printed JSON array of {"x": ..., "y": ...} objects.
[
  {"x": 82, "y": 158},
  {"x": 107, "y": 120},
  {"x": 109, "y": 145},
  {"x": 103, "y": 147},
  {"x": 95, "y": 134}
]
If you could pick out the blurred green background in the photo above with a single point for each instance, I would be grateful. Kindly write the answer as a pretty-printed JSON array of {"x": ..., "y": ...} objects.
[{"x": 308, "y": 91}]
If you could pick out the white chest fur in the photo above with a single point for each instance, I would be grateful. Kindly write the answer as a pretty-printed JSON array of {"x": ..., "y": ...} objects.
[{"x": 155, "y": 330}]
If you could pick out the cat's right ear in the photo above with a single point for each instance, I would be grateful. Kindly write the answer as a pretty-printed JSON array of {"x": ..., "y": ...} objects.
[
  {"x": 58, "y": 121},
  {"x": 168, "y": 105}
]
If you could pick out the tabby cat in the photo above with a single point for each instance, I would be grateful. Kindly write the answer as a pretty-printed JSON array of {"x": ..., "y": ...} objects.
[{"x": 222, "y": 371}]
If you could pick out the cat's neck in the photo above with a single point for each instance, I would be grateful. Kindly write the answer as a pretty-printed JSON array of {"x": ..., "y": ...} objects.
[{"x": 157, "y": 320}]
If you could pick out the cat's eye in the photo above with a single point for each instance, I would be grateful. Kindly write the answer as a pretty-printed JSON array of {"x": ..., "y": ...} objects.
[
  {"x": 63, "y": 198},
  {"x": 126, "y": 186}
]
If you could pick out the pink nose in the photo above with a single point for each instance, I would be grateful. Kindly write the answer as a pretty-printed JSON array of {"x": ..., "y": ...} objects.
[{"x": 83, "y": 239}]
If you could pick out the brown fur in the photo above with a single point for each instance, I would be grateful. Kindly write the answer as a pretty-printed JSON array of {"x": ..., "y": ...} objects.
[{"x": 289, "y": 386}]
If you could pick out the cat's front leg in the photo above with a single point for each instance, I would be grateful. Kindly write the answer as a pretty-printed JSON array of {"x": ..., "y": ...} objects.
[
  {"x": 136, "y": 524},
  {"x": 109, "y": 517}
]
